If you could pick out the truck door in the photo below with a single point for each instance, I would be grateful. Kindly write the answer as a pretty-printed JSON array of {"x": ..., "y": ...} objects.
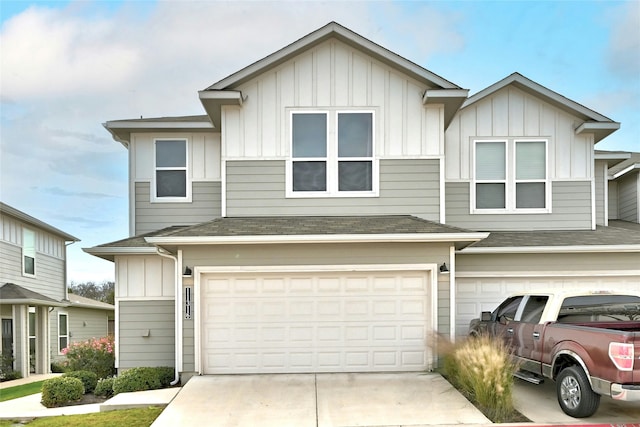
[
  {"x": 528, "y": 332},
  {"x": 503, "y": 317}
]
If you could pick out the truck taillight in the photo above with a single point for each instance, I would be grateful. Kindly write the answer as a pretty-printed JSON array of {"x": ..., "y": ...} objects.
[{"x": 621, "y": 355}]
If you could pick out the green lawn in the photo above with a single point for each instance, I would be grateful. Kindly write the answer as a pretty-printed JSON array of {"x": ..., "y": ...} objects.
[
  {"x": 126, "y": 417},
  {"x": 20, "y": 391}
]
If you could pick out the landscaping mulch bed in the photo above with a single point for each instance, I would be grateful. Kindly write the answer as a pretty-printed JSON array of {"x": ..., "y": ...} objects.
[{"x": 87, "y": 399}]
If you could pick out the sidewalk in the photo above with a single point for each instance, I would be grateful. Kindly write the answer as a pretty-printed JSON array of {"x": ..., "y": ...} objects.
[{"x": 29, "y": 407}]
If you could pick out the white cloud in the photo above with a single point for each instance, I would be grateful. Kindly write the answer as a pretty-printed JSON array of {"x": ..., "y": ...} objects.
[{"x": 624, "y": 45}]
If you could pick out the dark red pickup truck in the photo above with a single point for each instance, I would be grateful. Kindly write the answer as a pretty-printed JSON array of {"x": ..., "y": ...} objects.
[{"x": 588, "y": 342}]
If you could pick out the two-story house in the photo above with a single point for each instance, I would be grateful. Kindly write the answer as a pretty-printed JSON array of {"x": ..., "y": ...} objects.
[
  {"x": 33, "y": 260},
  {"x": 338, "y": 204}
]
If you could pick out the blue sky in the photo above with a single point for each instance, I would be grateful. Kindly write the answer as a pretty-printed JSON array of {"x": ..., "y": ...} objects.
[{"x": 67, "y": 67}]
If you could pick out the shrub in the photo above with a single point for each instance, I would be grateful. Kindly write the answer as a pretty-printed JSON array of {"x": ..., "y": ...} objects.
[
  {"x": 6, "y": 368},
  {"x": 143, "y": 378},
  {"x": 481, "y": 369},
  {"x": 61, "y": 390},
  {"x": 59, "y": 367},
  {"x": 95, "y": 355},
  {"x": 166, "y": 374},
  {"x": 88, "y": 378},
  {"x": 104, "y": 388}
]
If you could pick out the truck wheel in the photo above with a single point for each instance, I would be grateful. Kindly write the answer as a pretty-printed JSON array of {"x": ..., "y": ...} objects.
[{"x": 574, "y": 393}]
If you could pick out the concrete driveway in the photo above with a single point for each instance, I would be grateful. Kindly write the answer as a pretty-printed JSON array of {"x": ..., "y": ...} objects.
[{"x": 319, "y": 400}]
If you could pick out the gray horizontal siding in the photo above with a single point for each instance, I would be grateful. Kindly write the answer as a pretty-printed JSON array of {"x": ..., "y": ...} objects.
[
  {"x": 257, "y": 188},
  {"x": 188, "y": 346},
  {"x": 600, "y": 183},
  {"x": 316, "y": 254},
  {"x": 571, "y": 210},
  {"x": 545, "y": 263},
  {"x": 613, "y": 200},
  {"x": 84, "y": 324},
  {"x": 157, "y": 349},
  {"x": 205, "y": 205},
  {"x": 49, "y": 278},
  {"x": 628, "y": 199}
]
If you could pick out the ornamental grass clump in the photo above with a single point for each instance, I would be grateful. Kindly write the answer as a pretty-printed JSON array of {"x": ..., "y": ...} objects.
[
  {"x": 481, "y": 369},
  {"x": 95, "y": 355}
]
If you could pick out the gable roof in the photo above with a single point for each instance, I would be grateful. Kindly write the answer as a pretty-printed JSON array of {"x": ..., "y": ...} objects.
[
  {"x": 121, "y": 130},
  {"x": 601, "y": 126},
  {"x": 441, "y": 91},
  {"x": 83, "y": 302},
  {"x": 337, "y": 31},
  {"x": 293, "y": 229},
  {"x": 8, "y": 210},
  {"x": 10, "y": 293},
  {"x": 627, "y": 166}
]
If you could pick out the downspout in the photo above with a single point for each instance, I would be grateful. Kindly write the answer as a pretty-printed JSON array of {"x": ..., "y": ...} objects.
[{"x": 176, "y": 377}]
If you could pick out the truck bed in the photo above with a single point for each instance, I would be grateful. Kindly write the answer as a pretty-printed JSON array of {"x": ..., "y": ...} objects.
[{"x": 625, "y": 326}]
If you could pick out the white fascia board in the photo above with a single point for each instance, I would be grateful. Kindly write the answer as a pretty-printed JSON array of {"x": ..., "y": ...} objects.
[
  {"x": 549, "y": 249},
  {"x": 348, "y": 36},
  {"x": 626, "y": 170},
  {"x": 559, "y": 273},
  {"x": 438, "y": 95},
  {"x": 157, "y": 125},
  {"x": 231, "y": 96},
  {"x": 323, "y": 238},
  {"x": 612, "y": 155},
  {"x": 32, "y": 301},
  {"x": 109, "y": 253}
]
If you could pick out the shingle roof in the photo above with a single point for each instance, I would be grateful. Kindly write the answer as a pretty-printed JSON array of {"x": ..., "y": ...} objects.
[
  {"x": 10, "y": 293},
  {"x": 316, "y": 225},
  {"x": 80, "y": 301},
  {"x": 139, "y": 240},
  {"x": 616, "y": 234}
]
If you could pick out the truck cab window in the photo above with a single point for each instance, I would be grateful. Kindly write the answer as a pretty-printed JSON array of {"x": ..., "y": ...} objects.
[
  {"x": 533, "y": 309},
  {"x": 507, "y": 310}
]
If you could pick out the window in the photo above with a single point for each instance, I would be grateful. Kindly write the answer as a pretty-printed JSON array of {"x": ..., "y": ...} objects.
[
  {"x": 171, "y": 169},
  {"x": 507, "y": 310},
  {"x": 532, "y": 311},
  {"x": 28, "y": 252},
  {"x": 63, "y": 331},
  {"x": 332, "y": 154},
  {"x": 510, "y": 176}
]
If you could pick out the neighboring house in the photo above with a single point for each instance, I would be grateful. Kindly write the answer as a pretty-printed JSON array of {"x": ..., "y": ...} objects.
[
  {"x": 338, "y": 204},
  {"x": 82, "y": 319},
  {"x": 33, "y": 263},
  {"x": 624, "y": 185}
]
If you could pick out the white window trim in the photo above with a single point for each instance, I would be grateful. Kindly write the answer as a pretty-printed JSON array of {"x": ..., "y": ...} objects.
[
  {"x": 35, "y": 242},
  {"x": 510, "y": 178},
  {"x": 154, "y": 198},
  {"x": 332, "y": 158},
  {"x": 61, "y": 313}
]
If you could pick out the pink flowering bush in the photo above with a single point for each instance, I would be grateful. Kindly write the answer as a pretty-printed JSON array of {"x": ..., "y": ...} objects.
[{"x": 95, "y": 355}]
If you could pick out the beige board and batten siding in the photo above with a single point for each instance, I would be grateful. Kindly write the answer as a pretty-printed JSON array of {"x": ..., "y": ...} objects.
[
  {"x": 512, "y": 113},
  {"x": 628, "y": 189},
  {"x": 204, "y": 206},
  {"x": 332, "y": 75},
  {"x": 410, "y": 186},
  {"x": 571, "y": 210}
]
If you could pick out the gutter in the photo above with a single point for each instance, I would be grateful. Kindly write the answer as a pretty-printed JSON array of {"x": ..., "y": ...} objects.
[{"x": 162, "y": 253}]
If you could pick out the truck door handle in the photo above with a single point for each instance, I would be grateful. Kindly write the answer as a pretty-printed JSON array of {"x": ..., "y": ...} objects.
[
  {"x": 536, "y": 335},
  {"x": 510, "y": 331}
]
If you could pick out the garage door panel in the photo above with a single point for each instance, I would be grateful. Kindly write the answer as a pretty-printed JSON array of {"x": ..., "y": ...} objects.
[{"x": 322, "y": 322}]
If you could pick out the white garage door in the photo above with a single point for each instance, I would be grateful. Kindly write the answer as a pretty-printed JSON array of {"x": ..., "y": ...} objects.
[
  {"x": 315, "y": 322},
  {"x": 474, "y": 295}
]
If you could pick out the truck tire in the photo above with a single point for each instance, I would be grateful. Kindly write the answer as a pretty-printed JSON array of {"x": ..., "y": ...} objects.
[{"x": 574, "y": 393}]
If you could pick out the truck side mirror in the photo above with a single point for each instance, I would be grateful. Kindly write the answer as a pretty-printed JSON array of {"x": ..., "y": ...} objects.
[{"x": 485, "y": 316}]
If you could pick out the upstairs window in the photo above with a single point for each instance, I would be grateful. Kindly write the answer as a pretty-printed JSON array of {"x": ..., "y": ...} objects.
[
  {"x": 28, "y": 252},
  {"x": 171, "y": 169},
  {"x": 510, "y": 176},
  {"x": 332, "y": 154}
]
